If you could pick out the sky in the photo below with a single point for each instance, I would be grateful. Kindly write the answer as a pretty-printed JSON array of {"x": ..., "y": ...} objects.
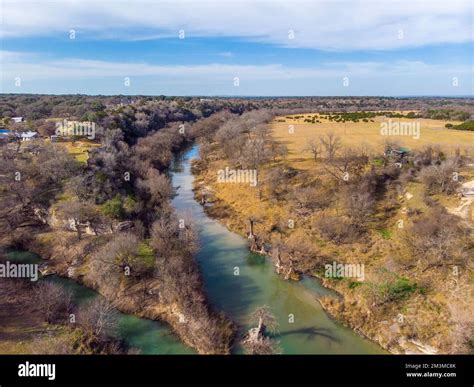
[{"x": 238, "y": 47}]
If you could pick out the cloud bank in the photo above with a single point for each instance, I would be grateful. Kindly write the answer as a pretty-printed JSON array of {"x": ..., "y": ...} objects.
[{"x": 321, "y": 24}]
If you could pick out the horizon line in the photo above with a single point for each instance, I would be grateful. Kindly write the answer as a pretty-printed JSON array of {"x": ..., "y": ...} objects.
[{"x": 245, "y": 96}]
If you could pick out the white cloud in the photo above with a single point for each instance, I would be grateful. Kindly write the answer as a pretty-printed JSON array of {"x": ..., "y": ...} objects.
[
  {"x": 35, "y": 67},
  {"x": 322, "y": 24}
]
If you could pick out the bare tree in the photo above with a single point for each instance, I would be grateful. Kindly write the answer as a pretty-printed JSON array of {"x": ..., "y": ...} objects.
[
  {"x": 30, "y": 180},
  {"x": 314, "y": 147},
  {"x": 125, "y": 253},
  {"x": 263, "y": 346},
  {"x": 337, "y": 229},
  {"x": 348, "y": 166},
  {"x": 254, "y": 153},
  {"x": 173, "y": 232},
  {"x": 230, "y": 139},
  {"x": 438, "y": 239},
  {"x": 359, "y": 206},
  {"x": 156, "y": 188},
  {"x": 99, "y": 318},
  {"x": 331, "y": 144},
  {"x": 277, "y": 150},
  {"x": 441, "y": 178},
  {"x": 54, "y": 301},
  {"x": 80, "y": 214},
  {"x": 266, "y": 320},
  {"x": 311, "y": 198},
  {"x": 256, "y": 342}
]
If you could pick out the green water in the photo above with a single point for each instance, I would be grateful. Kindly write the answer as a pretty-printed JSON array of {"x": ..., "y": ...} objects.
[
  {"x": 150, "y": 337},
  {"x": 304, "y": 327}
]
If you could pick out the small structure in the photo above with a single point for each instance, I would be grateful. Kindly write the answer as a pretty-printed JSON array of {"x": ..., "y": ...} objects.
[
  {"x": 397, "y": 155},
  {"x": 17, "y": 120},
  {"x": 28, "y": 136},
  {"x": 399, "y": 152}
]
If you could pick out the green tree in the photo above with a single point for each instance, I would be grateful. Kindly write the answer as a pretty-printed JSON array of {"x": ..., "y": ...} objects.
[{"x": 113, "y": 208}]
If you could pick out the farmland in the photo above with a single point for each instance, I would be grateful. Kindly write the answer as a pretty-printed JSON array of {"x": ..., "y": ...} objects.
[{"x": 295, "y": 133}]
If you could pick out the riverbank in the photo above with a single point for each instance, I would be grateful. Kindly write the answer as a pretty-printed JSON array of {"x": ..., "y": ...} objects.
[
  {"x": 126, "y": 245},
  {"x": 416, "y": 320},
  {"x": 24, "y": 328},
  {"x": 66, "y": 256},
  {"x": 238, "y": 281},
  {"x": 221, "y": 211}
]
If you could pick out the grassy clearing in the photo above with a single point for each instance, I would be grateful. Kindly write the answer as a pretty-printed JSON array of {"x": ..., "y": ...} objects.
[
  {"x": 367, "y": 134},
  {"x": 80, "y": 149},
  {"x": 244, "y": 201}
]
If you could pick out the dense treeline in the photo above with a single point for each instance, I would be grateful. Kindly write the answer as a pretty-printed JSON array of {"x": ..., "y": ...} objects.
[
  {"x": 94, "y": 108},
  {"x": 128, "y": 237},
  {"x": 91, "y": 108}
]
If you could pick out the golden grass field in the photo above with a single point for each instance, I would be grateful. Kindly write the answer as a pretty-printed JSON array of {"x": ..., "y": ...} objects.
[
  {"x": 244, "y": 199},
  {"x": 367, "y": 134}
]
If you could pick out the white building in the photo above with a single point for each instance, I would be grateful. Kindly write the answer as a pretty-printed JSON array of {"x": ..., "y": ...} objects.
[{"x": 28, "y": 136}]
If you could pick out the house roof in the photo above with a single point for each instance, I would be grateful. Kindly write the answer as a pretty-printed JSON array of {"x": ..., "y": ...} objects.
[{"x": 28, "y": 134}]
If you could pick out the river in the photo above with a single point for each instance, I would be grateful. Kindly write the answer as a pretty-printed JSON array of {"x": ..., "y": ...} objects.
[
  {"x": 304, "y": 327},
  {"x": 150, "y": 337}
]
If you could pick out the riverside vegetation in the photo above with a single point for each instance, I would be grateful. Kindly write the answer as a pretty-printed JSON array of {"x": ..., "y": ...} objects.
[
  {"x": 105, "y": 219},
  {"x": 328, "y": 193}
]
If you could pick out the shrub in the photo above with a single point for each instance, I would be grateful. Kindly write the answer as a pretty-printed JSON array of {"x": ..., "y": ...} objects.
[
  {"x": 386, "y": 234},
  {"x": 400, "y": 289},
  {"x": 113, "y": 208}
]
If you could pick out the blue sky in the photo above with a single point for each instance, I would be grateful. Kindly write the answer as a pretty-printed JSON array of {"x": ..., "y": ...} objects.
[{"x": 340, "y": 47}]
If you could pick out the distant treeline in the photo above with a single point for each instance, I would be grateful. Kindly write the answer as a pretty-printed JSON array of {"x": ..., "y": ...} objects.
[
  {"x": 468, "y": 125},
  {"x": 365, "y": 116},
  {"x": 92, "y": 108}
]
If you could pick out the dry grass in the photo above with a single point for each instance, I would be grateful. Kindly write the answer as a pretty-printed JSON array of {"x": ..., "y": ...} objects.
[
  {"x": 367, "y": 134},
  {"x": 244, "y": 201},
  {"x": 80, "y": 149},
  {"x": 385, "y": 248}
]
